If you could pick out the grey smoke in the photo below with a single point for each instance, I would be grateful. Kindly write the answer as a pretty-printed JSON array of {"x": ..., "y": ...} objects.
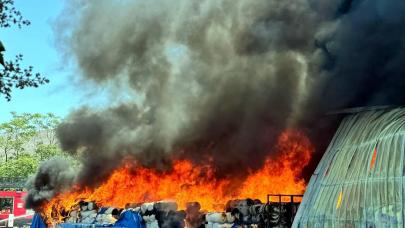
[
  {"x": 215, "y": 78},
  {"x": 52, "y": 177},
  {"x": 221, "y": 79}
]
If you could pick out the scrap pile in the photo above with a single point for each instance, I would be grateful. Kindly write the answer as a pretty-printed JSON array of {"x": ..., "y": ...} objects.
[{"x": 238, "y": 213}]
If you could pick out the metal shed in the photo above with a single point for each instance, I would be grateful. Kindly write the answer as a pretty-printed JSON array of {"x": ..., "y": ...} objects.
[{"x": 359, "y": 181}]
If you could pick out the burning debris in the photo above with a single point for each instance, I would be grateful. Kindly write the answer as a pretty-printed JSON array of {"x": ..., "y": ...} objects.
[
  {"x": 166, "y": 214},
  {"x": 186, "y": 183},
  {"x": 204, "y": 95}
]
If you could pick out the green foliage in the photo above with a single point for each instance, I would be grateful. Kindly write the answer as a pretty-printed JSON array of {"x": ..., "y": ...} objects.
[
  {"x": 9, "y": 15},
  {"x": 22, "y": 166},
  {"x": 46, "y": 151},
  {"x": 25, "y": 141},
  {"x": 16, "y": 133},
  {"x": 13, "y": 75}
]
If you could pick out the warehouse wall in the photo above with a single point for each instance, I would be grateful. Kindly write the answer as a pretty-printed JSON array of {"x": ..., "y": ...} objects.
[{"x": 360, "y": 179}]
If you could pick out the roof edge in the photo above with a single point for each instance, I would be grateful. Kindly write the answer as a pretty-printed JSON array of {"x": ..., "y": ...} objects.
[{"x": 361, "y": 109}]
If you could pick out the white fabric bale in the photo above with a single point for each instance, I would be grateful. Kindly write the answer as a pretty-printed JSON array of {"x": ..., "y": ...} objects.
[
  {"x": 83, "y": 207},
  {"x": 147, "y": 207},
  {"x": 71, "y": 220},
  {"x": 73, "y": 216},
  {"x": 105, "y": 219},
  {"x": 153, "y": 224},
  {"x": 150, "y": 221},
  {"x": 218, "y": 225},
  {"x": 229, "y": 217},
  {"x": 91, "y": 206},
  {"x": 149, "y": 218},
  {"x": 87, "y": 213},
  {"x": 216, "y": 217},
  {"x": 88, "y": 220},
  {"x": 88, "y": 216}
]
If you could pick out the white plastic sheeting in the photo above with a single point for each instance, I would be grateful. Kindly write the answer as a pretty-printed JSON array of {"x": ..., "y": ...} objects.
[{"x": 360, "y": 179}]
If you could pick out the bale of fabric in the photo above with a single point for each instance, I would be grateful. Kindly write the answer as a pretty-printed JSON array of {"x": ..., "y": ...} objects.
[
  {"x": 220, "y": 218},
  {"x": 105, "y": 216},
  {"x": 88, "y": 217},
  {"x": 73, "y": 216},
  {"x": 220, "y": 225},
  {"x": 150, "y": 221}
]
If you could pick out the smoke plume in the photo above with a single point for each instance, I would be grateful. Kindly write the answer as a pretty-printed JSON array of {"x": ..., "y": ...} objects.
[
  {"x": 218, "y": 80},
  {"x": 48, "y": 181}
]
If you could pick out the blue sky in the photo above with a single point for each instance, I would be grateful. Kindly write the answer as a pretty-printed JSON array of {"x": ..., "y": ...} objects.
[{"x": 36, "y": 43}]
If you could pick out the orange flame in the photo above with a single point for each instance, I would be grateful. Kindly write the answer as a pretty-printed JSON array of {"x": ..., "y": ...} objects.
[{"x": 189, "y": 183}]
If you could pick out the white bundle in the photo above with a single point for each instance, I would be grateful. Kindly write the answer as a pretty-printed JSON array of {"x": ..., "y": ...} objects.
[
  {"x": 88, "y": 217},
  {"x": 147, "y": 207},
  {"x": 105, "y": 219},
  {"x": 220, "y": 217},
  {"x": 216, "y": 217},
  {"x": 150, "y": 221},
  {"x": 83, "y": 207},
  {"x": 149, "y": 218},
  {"x": 229, "y": 217},
  {"x": 73, "y": 216},
  {"x": 218, "y": 225},
  {"x": 90, "y": 206}
]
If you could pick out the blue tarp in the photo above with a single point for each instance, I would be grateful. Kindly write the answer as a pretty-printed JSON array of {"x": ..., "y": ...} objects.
[
  {"x": 130, "y": 219},
  {"x": 76, "y": 225},
  {"x": 81, "y": 225},
  {"x": 37, "y": 222}
]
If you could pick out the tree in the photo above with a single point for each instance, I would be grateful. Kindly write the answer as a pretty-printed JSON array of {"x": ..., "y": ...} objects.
[
  {"x": 13, "y": 75},
  {"x": 46, "y": 151},
  {"x": 20, "y": 167},
  {"x": 29, "y": 131},
  {"x": 26, "y": 140},
  {"x": 16, "y": 133},
  {"x": 47, "y": 123}
]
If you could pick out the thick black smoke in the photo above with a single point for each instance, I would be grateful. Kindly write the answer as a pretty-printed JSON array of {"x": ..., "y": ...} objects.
[
  {"x": 48, "y": 181},
  {"x": 220, "y": 79}
]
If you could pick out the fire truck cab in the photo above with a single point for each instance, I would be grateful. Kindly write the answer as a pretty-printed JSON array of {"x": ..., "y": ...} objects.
[{"x": 12, "y": 201}]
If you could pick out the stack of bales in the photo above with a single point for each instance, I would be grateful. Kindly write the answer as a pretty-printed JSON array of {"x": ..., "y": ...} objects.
[
  {"x": 89, "y": 213},
  {"x": 160, "y": 214},
  {"x": 238, "y": 213},
  {"x": 107, "y": 215},
  {"x": 246, "y": 213}
]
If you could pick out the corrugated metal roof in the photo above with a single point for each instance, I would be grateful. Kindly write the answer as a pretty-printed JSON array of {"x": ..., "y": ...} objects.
[{"x": 360, "y": 179}]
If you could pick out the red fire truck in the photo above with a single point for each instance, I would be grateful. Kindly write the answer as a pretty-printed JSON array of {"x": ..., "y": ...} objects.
[{"x": 12, "y": 201}]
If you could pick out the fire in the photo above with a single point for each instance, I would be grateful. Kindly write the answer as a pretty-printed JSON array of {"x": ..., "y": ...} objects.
[{"x": 186, "y": 182}]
